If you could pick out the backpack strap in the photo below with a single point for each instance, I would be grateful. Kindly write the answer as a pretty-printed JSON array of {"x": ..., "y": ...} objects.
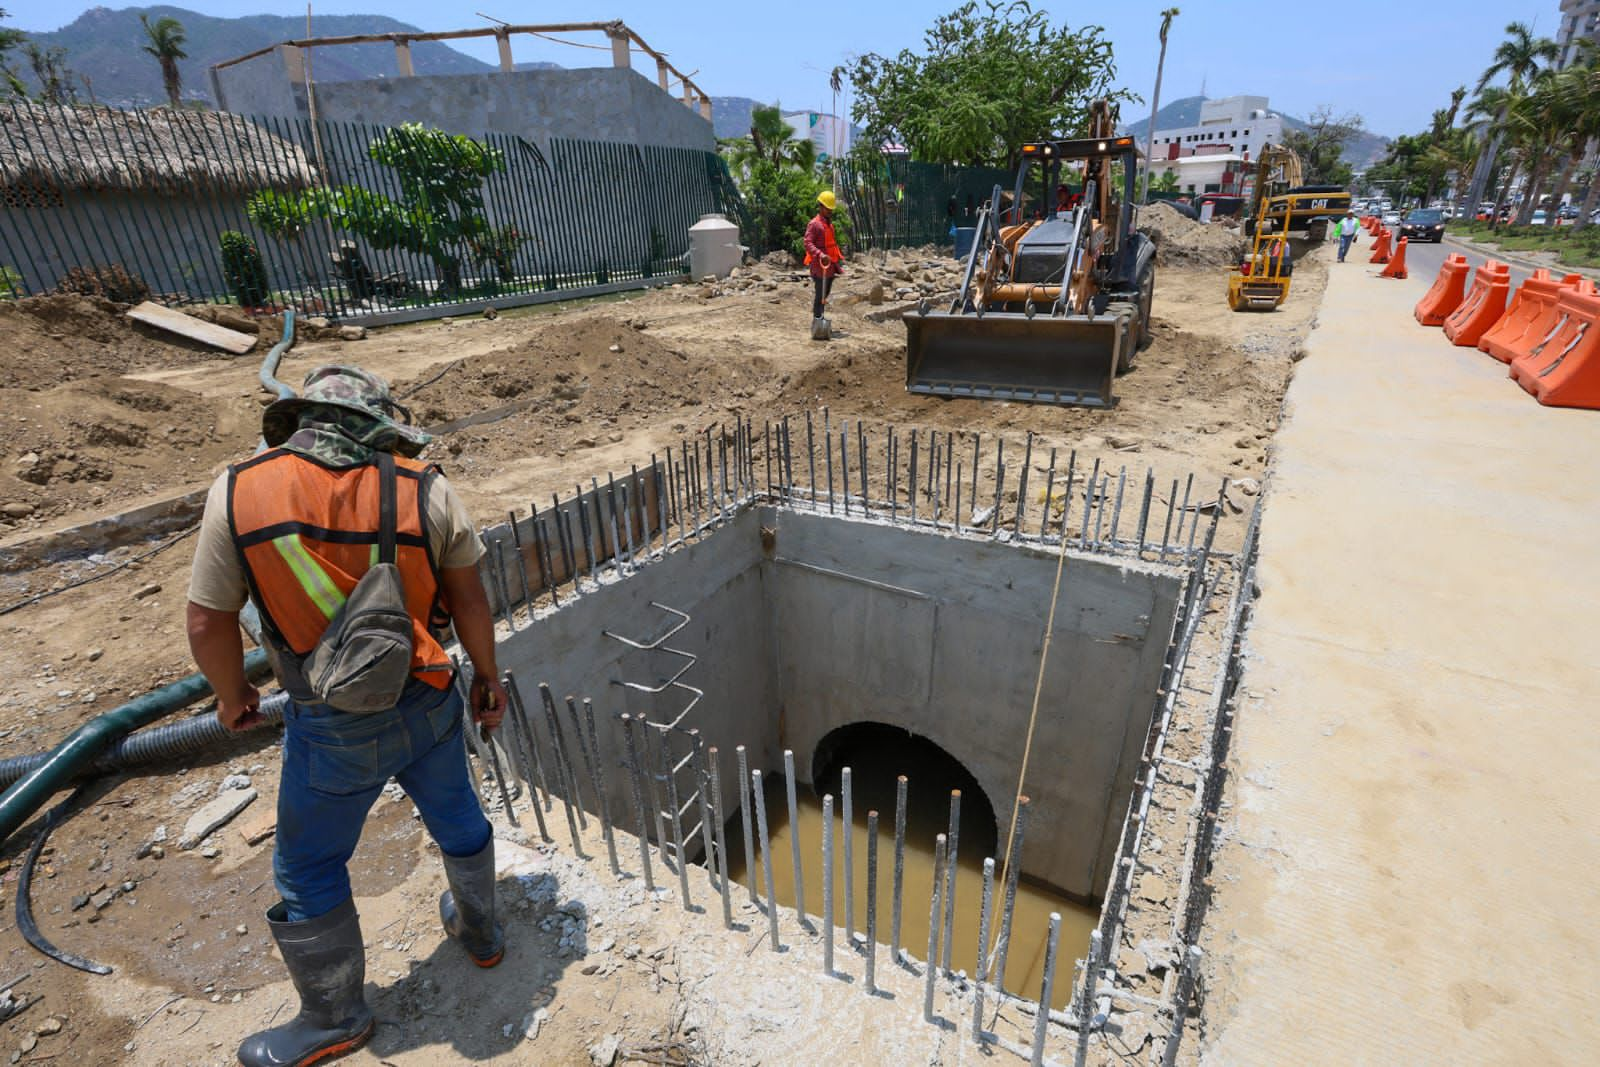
[{"x": 388, "y": 520}]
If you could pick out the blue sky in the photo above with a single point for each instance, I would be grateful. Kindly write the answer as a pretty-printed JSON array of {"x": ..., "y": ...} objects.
[{"x": 1391, "y": 62}]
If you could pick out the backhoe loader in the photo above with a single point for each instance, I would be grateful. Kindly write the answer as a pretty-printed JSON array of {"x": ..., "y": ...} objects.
[{"x": 1051, "y": 307}]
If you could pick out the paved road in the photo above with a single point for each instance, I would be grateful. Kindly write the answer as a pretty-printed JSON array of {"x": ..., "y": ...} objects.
[
  {"x": 1411, "y": 858},
  {"x": 1423, "y": 261}
]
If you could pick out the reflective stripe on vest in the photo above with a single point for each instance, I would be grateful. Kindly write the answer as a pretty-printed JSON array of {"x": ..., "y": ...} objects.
[{"x": 307, "y": 533}]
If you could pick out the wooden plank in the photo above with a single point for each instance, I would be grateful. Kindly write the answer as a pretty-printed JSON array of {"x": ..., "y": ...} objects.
[{"x": 207, "y": 333}]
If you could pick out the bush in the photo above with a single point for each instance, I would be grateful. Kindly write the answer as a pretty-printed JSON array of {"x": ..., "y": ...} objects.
[
  {"x": 10, "y": 283},
  {"x": 112, "y": 282},
  {"x": 781, "y": 202},
  {"x": 243, "y": 269}
]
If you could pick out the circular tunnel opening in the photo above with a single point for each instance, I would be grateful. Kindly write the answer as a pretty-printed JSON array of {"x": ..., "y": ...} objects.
[{"x": 877, "y": 754}]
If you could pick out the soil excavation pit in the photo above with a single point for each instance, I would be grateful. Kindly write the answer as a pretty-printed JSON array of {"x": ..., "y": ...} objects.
[{"x": 812, "y": 633}]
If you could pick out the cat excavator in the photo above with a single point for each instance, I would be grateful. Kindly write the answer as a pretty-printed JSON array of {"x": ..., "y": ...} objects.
[
  {"x": 1053, "y": 306},
  {"x": 1281, "y": 203}
]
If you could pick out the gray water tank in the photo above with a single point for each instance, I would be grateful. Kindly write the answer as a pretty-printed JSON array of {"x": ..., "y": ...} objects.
[{"x": 713, "y": 247}]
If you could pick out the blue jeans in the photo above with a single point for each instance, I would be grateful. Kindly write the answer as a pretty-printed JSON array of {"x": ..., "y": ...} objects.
[
  {"x": 1344, "y": 244},
  {"x": 334, "y": 766}
]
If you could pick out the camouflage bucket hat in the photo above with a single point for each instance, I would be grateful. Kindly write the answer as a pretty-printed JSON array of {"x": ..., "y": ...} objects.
[{"x": 348, "y": 389}]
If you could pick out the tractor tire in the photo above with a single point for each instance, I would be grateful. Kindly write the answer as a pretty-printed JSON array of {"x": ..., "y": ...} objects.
[
  {"x": 1125, "y": 357},
  {"x": 1147, "y": 298}
]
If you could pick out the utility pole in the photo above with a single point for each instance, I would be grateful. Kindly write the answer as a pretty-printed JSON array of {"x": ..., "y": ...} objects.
[{"x": 1155, "y": 105}]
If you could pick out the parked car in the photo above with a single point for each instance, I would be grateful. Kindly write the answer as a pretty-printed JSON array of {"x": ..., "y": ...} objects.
[
  {"x": 1540, "y": 218},
  {"x": 1424, "y": 224}
]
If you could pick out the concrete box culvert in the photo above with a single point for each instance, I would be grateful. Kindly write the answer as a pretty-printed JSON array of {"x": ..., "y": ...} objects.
[{"x": 803, "y": 623}]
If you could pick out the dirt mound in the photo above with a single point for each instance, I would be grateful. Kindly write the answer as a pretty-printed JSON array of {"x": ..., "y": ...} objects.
[
  {"x": 106, "y": 441},
  {"x": 1181, "y": 240},
  {"x": 595, "y": 366},
  {"x": 48, "y": 340}
]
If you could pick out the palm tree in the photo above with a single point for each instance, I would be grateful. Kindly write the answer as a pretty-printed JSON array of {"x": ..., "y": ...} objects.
[
  {"x": 771, "y": 141},
  {"x": 1155, "y": 103},
  {"x": 1518, "y": 57},
  {"x": 166, "y": 39}
]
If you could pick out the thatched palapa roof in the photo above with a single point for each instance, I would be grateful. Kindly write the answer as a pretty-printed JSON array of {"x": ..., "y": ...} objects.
[{"x": 158, "y": 151}]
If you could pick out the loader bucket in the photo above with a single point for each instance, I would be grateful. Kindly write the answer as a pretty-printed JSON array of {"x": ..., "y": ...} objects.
[{"x": 1009, "y": 356}]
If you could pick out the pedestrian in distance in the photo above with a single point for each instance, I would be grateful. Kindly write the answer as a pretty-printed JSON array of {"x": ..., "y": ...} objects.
[
  {"x": 351, "y": 550},
  {"x": 1346, "y": 232},
  {"x": 825, "y": 261}
]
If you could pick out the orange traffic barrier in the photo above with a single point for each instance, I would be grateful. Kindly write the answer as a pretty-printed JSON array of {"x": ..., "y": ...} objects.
[
  {"x": 1564, "y": 369},
  {"x": 1485, "y": 303},
  {"x": 1397, "y": 265},
  {"x": 1519, "y": 328},
  {"x": 1380, "y": 251},
  {"x": 1445, "y": 296}
]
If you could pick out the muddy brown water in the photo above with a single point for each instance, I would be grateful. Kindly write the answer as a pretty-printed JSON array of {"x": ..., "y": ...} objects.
[{"x": 931, "y": 776}]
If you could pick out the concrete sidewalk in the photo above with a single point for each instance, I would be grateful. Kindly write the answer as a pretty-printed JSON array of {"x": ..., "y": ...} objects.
[{"x": 1411, "y": 866}]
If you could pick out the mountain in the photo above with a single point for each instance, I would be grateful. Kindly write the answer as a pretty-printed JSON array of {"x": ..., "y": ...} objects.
[
  {"x": 105, "y": 46},
  {"x": 730, "y": 115},
  {"x": 1363, "y": 150}
]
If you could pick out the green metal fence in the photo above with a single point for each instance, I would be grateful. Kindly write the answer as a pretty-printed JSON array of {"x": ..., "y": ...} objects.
[
  {"x": 146, "y": 196},
  {"x": 895, "y": 203}
]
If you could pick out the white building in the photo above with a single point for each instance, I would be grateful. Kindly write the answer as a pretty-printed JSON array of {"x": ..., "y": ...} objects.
[
  {"x": 829, "y": 133},
  {"x": 1213, "y": 156},
  {"x": 1579, "y": 19}
]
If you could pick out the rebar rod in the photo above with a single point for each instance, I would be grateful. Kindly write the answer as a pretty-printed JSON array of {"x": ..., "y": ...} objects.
[
  {"x": 848, "y": 830},
  {"x": 1116, "y": 513},
  {"x": 985, "y": 916},
  {"x": 1088, "y": 503},
  {"x": 524, "y": 745},
  {"x": 1166, "y": 530},
  {"x": 522, "y": 564},
  {"x": 714, "y": 759},
  {"x": 1185, "y": 990},
  {"x": 1041, "y": 1022},
  {"x": 899, "y": 866},
  {"x": 794, "y": 836},
  {"x": 570, "y": 776},
  {"x": 702, "y": 788},
  {"x": 636, "y": 775},
  {"x": 844, "y": 468},
  {"x": 827, "y": 446},
  {"x": 932, "y": 966},
  {"x": 599, "y": 786},
  {"x": 911, "y": 476},
  {"x": 1013, "y": 869},
  {"x": 520, "y": 708},
  {"x": 1144, "y": 510},
  {"x": 497, "y": 566},
  {"x": 811, "y": 461},
  {"x": 675, "y": 814},
  {"x": 563, "y": 771},
  {"x": 546, "y": 565},
  {"x": 589, "y": 769},
  {"x": 953, "y": 839},
  {"x": 766, "y": 856},
  {"x": 1022, "y": 481},
  {"x": 1049, "y": 495},
  {"x": 871, "y": 982},
  {"x": 744, "y": 817},
  {"x": 827, "y": 884}
]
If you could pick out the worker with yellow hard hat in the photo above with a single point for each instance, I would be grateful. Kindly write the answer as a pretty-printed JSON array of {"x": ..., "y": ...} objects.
[{"x": 823, "y": 258}]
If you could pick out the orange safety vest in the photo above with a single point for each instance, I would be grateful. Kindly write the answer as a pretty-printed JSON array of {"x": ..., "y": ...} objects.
[
  {"x": 307, "y": 533},
  {"x": 830, "y": 245}
]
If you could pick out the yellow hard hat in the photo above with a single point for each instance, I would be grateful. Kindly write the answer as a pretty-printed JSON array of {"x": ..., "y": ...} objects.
[{"x": 828, "y": 200}]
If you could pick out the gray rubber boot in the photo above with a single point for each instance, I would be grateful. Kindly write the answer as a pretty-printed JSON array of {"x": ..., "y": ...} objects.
[
  {"x": 328, "y": 965},
  {"x": 467, "y": 908}
]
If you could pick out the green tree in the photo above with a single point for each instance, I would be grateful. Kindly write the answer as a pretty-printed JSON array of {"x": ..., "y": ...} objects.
[
  {"x": 440, "y": 213},
  {"x": 10, "y": 41},
  {"x": 1518, "y": 57},
  {"x": 771, "y": 140},
  {"x": 50, "y": 70},
  {"x": 989, "y": 78},
  {"x": 1167, "y": 183},
  {"x": 1320, "y": 146},
  {"x": 165, "y": 39}
]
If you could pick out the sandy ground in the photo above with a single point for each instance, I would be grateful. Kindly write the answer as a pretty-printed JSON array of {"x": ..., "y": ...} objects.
[
  {"x": 1412, "y": 857},
  {"x": 587, "y": 388}
]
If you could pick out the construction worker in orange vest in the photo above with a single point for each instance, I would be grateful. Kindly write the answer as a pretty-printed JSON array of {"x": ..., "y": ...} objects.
[
  {"x": 293, "y": 530},
  {"x": 823, "y": 257}
]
